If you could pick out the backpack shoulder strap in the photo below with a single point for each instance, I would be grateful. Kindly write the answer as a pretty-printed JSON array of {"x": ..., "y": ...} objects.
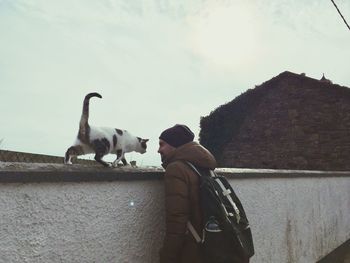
[
  {"x": 189, "y": 224},
  {"x": 194, "y": 232},
  {"x": 194, "y": 168}
]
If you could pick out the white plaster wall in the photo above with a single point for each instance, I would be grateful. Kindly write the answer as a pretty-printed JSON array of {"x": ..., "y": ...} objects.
[
  {"x": 295, "y": 220},
  {"x": 81, "y": 222}
]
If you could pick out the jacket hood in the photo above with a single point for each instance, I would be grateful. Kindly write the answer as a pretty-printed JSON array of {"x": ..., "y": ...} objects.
[{"x": 194, "y": 153}]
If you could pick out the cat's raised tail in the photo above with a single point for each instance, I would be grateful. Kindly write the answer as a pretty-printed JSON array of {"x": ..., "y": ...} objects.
[{"x": 84, "y": 128}]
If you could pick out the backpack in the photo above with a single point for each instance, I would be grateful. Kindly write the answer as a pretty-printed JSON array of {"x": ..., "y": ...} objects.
[{"x": 226, "y": 235}]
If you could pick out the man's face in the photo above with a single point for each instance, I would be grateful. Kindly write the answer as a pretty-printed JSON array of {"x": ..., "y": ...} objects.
[{"x": 165, "y": 150}]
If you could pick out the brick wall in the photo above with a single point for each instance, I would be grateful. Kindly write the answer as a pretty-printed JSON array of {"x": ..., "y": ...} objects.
[{"x": 299, "y": 123}]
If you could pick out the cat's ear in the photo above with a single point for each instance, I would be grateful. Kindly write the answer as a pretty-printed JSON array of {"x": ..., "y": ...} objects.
[{"x": 145, "y": 140}]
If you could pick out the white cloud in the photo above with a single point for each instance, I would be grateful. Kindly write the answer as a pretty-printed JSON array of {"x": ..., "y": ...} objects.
[{"x": 226, "y": 35}]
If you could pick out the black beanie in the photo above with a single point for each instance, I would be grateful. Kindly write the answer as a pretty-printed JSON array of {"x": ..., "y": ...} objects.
[{"x": 177, "y": 135}]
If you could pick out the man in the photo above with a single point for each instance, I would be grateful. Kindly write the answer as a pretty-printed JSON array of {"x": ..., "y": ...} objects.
[{"x": 182, "y": 202}]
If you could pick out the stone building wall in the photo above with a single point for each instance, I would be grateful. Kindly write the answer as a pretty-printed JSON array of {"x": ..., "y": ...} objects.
[{"x": 299, "y": 123}]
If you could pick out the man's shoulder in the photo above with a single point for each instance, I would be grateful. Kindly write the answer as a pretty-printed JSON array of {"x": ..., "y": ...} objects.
[
  {"x": 177, "y": 165},
  {"x": 179, "y": 169}
]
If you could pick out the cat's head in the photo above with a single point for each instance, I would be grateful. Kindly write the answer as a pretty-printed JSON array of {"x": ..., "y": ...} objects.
[{"x": 142, "y": 147}]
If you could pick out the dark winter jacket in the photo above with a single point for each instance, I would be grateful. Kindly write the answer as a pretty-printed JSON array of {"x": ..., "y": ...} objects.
[{"x": 182, "y": 203}]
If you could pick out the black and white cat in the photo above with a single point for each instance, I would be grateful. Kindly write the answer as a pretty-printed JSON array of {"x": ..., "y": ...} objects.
[{"x": 102, "y": 140}]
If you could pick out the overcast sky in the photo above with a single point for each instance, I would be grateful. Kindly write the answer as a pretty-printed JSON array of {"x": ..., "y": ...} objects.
[{"x": 155, "y": 62}]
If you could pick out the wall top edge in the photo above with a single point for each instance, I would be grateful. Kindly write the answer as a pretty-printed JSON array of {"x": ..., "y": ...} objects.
[{"x": 39, "y": 172}]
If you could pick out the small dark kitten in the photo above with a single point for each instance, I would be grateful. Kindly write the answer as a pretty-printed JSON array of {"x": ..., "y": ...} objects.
[{"x": 102, "y": 141}]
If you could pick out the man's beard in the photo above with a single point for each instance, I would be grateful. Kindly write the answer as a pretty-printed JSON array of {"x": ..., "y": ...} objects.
[{"x": 162, "y": 157}]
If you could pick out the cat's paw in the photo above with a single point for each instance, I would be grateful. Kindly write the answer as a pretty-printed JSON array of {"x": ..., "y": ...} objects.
[{"x": 68, "y": 163}]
